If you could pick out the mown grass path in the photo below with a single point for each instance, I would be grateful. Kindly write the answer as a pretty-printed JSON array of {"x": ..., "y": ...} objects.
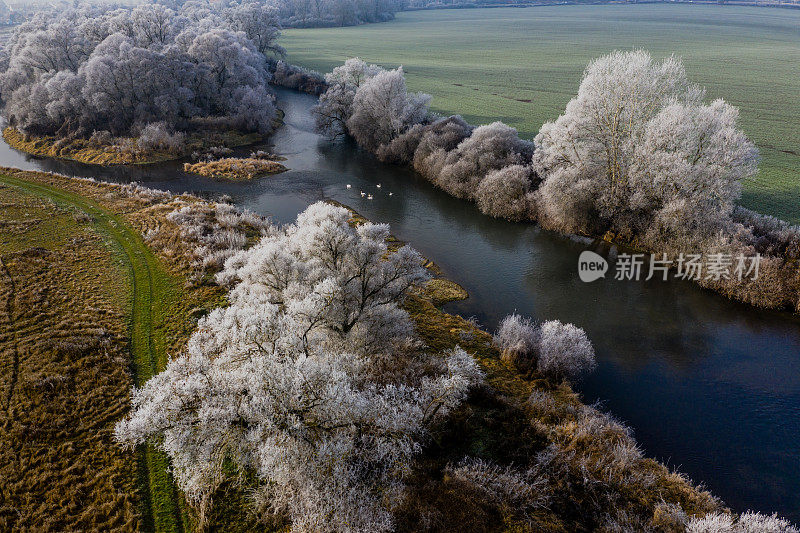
[{"x": 152, "y": 288}]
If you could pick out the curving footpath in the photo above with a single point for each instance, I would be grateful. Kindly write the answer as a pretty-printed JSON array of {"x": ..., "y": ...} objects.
[{"x": 162, "y": 510}]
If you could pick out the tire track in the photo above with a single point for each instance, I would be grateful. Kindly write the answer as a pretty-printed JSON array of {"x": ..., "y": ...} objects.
[{"x": 161, "y": 508}]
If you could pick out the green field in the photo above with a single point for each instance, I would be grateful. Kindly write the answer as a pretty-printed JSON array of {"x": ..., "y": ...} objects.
[{"x": 522, "y": 66}]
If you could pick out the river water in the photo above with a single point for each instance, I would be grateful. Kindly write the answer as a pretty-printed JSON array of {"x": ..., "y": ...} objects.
[{"x": 710, "y": 387}]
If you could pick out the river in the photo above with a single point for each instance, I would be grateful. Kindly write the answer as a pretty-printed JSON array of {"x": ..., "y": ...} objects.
[{"x": 711, "y": 387}]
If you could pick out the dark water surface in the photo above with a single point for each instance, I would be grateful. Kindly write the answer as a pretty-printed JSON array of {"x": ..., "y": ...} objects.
[{"x": 709, "y": 386}]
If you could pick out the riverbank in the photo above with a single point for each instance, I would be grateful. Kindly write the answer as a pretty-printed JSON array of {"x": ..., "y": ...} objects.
[
  {"x": 110, "y": 151},
  {"x": 518, "y": 180},
  {"x": 160, "y": 311},
  {"x": 501, "y": 420},
  {"x": 86, "y": 151},
  {"x": 65, "y": 367}
]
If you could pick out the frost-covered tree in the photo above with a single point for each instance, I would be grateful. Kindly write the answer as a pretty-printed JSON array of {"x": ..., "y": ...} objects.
[
  {"x": 556, "y": 350},
  {"x": 489, "y": 148},
  {"x": 322, "y": 258},
  {"x": 335, "y": 104},
  {"x": 374, "y": 107},
  {"x": 116, "y": 70},
  {"x": 314, "y": 13},
  {"x": 125, "y": 85},
  {"x": 506, "y": 193},
  {"x": 689, "y": 169},
  {"x": 152, "y": 24},
  {"x": 369, "y": 103},
  {"x": 382, "y": 109},
  {"x": 638, "y": 142},
  {"x": 421, "y": 140},
  {"x": 309, "y": 378},
  {"x": 259, "y": 21},
  {"x": 230, "y": 60}
]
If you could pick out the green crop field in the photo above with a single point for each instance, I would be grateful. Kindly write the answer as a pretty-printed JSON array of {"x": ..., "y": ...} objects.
[{"x": 522, "y": 66}]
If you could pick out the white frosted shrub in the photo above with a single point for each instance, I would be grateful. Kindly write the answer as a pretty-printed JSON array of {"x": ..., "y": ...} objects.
[
  {"x": 289, "y": 381},
  {"x": 518, "y": 340},
  {"x": 505, "y": 193},
  {"x": 400, "y": 150},
  {"x": 489, "y": 148},
  {"x": 295, "y": 77},
  {"x": 591, "y": 422},
  {"x": 669, "y": 517},
  {"x": 439, "y": 137},
  {"x": 503, "y": 485},
  {"x": 101, "y": 138},
  {"x": 749, "y": 522},
  {"x": 564, "y": 351},
  {"x": 156, "y": 136},
  {"x": 217, "y": 231}
]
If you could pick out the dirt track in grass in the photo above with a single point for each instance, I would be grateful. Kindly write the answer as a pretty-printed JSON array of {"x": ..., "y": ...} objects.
[{"x": 79, "y": 287}]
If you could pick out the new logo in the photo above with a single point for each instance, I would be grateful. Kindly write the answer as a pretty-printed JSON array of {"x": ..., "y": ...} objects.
[{"x": 591, "y": 266}]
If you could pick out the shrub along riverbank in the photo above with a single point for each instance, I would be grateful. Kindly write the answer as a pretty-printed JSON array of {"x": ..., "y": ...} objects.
[{"x": 638, "y": 158}]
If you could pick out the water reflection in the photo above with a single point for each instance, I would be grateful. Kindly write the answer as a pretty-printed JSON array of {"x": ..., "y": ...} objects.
[{"x": 708, "y": 385}]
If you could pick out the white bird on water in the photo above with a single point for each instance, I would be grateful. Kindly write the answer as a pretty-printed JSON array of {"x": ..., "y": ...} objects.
[
  {"x": 369, "y": 197},
  {"x": 379, "y": 185},
  {"x": 363, "y": 194},
  {"x": 391, "y": 193},
  {"x": 348, "y": 185}
]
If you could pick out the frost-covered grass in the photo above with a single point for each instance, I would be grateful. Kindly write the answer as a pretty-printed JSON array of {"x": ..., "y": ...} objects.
[
  {"x": 522, "y": 66},
  {"x": 157, "y": 319}
]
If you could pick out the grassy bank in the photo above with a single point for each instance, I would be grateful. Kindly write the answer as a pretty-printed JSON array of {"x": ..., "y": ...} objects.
[
  {"x": 63, "y": 357},
  {"x": 150, "y": 291},
  {"x": 522, "y": 66},
  {"x": 158, "y": 313},
  {"x": 84, "y": 151}
]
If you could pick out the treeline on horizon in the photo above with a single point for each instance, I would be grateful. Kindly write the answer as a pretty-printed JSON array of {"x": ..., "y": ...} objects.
[{"x": 333, "y": 13}]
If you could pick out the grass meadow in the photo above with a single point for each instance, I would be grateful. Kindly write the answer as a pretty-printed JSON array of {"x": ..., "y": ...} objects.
[
  {"x": 522, "y": 66},
  {"x": 63, "y": 358}
]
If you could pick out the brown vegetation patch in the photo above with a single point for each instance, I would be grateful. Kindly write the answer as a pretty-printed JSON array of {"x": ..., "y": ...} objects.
[
  {"x": 121, "y": 151},
  {"x": 233, "y": 168},
  {"x": 63, "y": 355}
]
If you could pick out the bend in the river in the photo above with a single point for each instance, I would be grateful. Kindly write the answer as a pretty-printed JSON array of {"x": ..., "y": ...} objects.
[{"x": 709, "y": 386}]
